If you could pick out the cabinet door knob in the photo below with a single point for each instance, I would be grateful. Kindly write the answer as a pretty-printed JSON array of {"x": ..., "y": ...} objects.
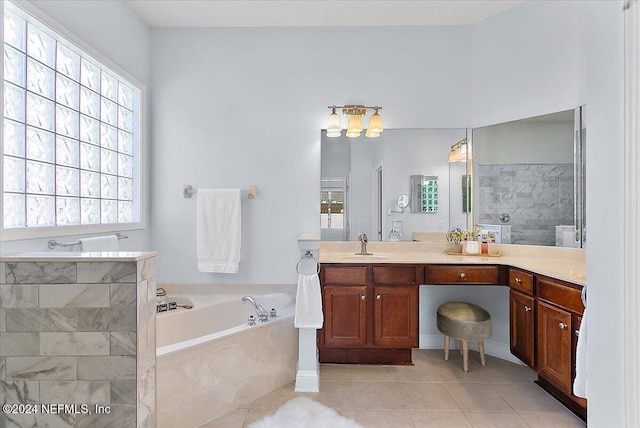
[
  {"x": 577, "y": 332},
  {"x": 378, "y": 297},
  {"x": 462, "y": 275},
  {"x": 527, "y": 308},
  {"x": 562, "y": 326},
  {"x": 518, "y": 281},
  {"x": 362, "y": 297}
]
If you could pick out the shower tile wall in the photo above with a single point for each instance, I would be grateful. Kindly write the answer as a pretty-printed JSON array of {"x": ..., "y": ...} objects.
[
  {"x": 78, "y": 333},
  {"x": 537, "y": 197}
]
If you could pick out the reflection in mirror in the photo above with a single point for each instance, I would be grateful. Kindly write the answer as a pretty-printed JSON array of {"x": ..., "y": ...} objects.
[
  {"x": 524, "y": 179},
  {"x": 370, "y": 198},
  {"x": 402, "y": 201},
  {"x": 332, "y": 209},
  {"x": 424, "y": 193}
]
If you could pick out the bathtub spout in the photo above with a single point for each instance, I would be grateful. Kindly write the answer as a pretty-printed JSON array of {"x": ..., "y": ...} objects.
[{"x": 263, "y": 314}]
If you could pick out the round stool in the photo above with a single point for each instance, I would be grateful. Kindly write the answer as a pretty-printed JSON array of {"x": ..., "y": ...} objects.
[{"x": 465, "y": 322}]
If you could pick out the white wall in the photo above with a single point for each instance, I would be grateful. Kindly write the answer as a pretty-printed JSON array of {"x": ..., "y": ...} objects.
[
  {"x": 112, "y": 29},
  {"x": 529, "y": 61},
  {"x": 234, "y": 107}
]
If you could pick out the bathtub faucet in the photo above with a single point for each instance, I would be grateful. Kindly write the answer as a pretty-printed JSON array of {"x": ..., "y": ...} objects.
[{"x": 263, "y": 314}]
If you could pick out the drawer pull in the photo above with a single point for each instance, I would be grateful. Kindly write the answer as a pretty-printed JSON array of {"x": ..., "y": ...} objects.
[
  {"x": 518, "y": 280},
  {"x": 362, "y": 297},
  {"x": 462, "y": 275},
  {"x": 562, "y": 326},
  {"x": 378, "y": 297},
  {"x": 527, "y": 308},
  {"x": 577, "y": 332}
]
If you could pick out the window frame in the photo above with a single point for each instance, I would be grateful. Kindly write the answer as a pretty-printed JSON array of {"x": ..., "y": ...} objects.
[{"x": 12, "y": 234}]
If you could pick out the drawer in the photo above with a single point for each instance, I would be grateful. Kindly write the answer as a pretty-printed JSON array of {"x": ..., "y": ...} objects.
[
  {"x": 348, "y": 275},
  {"x": 521, "y": 280},
  {"x": 462, "y": 274},
  {"x": 560, "y": 294},
  {"x": 397, "y": 275}
]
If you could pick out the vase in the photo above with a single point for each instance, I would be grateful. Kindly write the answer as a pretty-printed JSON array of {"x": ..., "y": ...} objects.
[{"x": 455, "y": 247}]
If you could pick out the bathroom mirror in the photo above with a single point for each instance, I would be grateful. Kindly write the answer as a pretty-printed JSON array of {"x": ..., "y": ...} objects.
[
  {"x": 528, "y": 176},
  {"x": 376, "y": 170},
  {"x": 402, "y": 201},
  {"x": 369, "y": 174}
]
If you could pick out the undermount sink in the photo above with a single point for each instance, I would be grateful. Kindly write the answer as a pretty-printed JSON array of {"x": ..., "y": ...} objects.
[{"x": 362, "y": 257}]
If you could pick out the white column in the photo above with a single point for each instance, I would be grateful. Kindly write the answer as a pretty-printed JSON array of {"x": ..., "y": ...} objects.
[{"x": 308, "y": 375}]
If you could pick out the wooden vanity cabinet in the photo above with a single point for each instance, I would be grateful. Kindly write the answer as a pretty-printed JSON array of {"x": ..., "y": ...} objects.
[
  {"x": 521, "y": 326},
  {"x": 522, "y": 316},
  {"x": 370, "y": 313},
  {"x": 559, "y": 311},
  {"x": 396, "y": 316},
  {"x": 345, "y": 315},
  {"x": 554, "y": 345}
]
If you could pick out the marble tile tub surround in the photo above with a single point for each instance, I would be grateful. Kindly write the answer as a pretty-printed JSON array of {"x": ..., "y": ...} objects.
[
  {"x": 78, "y": 328},
  {"x": 568, "y": 264},
  {"x": 537, "y": 197}
]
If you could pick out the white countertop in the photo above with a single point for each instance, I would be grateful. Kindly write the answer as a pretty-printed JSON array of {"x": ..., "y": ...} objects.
[
  {"x": 567, "y": 264},
  {"x": 70, "y": 256}
]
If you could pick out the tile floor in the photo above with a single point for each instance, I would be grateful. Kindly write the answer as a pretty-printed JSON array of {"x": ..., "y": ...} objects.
[{"x": 432, "y": 393}]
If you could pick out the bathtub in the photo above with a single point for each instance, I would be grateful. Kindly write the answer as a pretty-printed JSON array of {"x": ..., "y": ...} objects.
[{"x": 209, "y": 361}]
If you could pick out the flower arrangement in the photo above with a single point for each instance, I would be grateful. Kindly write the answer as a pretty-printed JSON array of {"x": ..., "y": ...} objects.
[{"x": 456, "y": 235}]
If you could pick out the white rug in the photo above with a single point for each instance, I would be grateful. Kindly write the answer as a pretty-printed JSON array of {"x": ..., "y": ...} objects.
[{"x": 304, "y": 412}]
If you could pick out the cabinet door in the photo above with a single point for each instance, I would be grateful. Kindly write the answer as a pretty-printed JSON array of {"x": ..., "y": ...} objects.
[
  {"x": 396, "y": 316},
  {"x": 345, "y": 315},
  {"x": 554, "y": 345},
  {"x": 521, "y": 320}
]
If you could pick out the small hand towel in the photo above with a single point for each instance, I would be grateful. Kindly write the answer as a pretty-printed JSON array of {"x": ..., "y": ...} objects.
[
  {"x": 100, "y": 243},
  {"x": 218, "y": 230},
  {"x": 580, "y": 382},
  {"x": 308, "y": 302}
]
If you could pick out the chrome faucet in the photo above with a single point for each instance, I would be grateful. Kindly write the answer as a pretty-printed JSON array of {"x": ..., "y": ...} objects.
[
  {"x": 362, "y": 237},
  {"x": 263, "y": 314}
]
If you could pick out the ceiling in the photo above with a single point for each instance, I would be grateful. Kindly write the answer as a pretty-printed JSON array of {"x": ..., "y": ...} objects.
[{"x": 316, "y": 13}]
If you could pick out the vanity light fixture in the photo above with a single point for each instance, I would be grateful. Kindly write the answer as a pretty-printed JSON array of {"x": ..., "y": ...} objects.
[
  {"x": 460, "y": 151},
  {"x": 354, "y": 114}
]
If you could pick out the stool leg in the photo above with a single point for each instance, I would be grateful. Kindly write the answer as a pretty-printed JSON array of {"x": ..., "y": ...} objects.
[
  {"x": 446, "y": 348},
  {"x": 481, "y": 349},
  {"x": 464, "y": 345}
]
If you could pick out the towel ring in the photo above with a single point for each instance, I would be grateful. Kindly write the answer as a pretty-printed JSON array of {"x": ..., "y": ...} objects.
[{"x": 307, "y": 255}]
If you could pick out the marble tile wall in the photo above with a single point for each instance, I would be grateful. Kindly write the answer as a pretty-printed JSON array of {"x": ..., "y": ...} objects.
[
  {"x": 78, "y": 333},
  {"x": 537, "y": 198}
]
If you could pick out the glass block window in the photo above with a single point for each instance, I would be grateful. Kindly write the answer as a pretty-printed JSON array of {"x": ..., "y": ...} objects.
[{"x": 71, "y": 132}]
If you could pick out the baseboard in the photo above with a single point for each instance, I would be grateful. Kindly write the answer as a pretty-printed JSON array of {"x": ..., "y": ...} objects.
[
  {"x": 491, "y": 347},
  {"x": 307, "y": 381}
]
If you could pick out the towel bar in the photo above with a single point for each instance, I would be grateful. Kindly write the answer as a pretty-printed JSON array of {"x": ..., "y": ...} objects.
[
  {"x": 53, "y": 243},
  {"x": 189, "y": 191}
]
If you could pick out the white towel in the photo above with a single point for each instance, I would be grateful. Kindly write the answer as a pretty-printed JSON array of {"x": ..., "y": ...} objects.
[
  {"x": 580, "y": 382},
  {"x": 308, "y": 302},
  {"x": 100, "y": 243},
  {"x": 218, "y": 230}
]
